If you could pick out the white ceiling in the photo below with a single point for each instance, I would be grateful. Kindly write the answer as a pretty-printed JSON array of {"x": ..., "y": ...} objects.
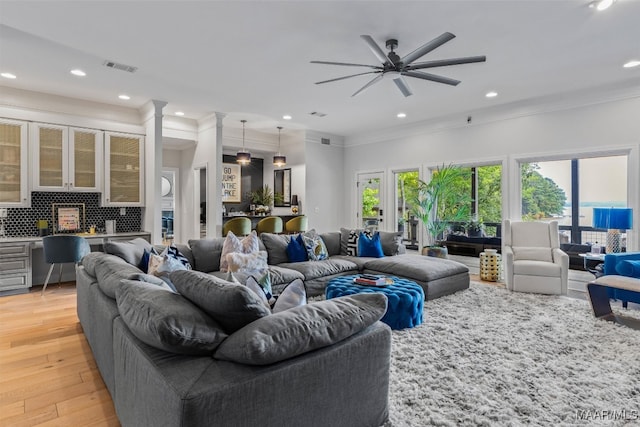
[{"x": 251, "y": 58}]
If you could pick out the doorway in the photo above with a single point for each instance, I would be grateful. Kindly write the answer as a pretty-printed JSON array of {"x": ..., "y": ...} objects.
[
  {"x": 170, "y": 216},
  {"x": 370, "y": 208}
]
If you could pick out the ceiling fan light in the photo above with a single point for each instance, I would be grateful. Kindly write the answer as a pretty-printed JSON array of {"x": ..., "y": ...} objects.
[
  {"x": 279, "y": 160},
  {"x": 391, "y": 74},
  {"x": 631, "y": 64}
]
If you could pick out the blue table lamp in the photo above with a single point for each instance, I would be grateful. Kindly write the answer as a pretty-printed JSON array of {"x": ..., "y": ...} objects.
[{"x": 614, "y": 220}]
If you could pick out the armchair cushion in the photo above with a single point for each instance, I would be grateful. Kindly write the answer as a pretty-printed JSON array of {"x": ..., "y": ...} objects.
[
  {"x": 536, "y": 268},
  {"x": 532, "y": 253},
  {"x": 629, "y": 268}
]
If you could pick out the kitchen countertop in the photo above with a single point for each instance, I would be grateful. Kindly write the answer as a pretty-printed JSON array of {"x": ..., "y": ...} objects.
[{"x": 88, "y": 236}]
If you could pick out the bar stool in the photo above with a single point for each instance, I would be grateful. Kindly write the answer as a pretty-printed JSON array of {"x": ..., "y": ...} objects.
[
  {"x": 241, "y": 226},
  {"x": 270, "y": 224},
  {"x": 61, "y": 249},
  {"x": 298, "y": 224}
]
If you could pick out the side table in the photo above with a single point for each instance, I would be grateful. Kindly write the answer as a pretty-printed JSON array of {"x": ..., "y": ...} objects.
[
  {"x": 589, "y": 259},
  {"x": 490, "y": 265}
]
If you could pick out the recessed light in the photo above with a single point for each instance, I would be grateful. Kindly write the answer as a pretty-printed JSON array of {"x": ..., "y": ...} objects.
[
  {"x": 125, "y": 97},
  {"x": 287, "y": 117},
  {"x": 491, "y": 94},
  {"x": 401, "y": 115},
  {"x": 179, "y": 113},
  {"x": 601, "y": 4},
  {"x": 631, "y": 64},
  {"x": 78, "y": 72},
  {"x": 8, "y": 75}
]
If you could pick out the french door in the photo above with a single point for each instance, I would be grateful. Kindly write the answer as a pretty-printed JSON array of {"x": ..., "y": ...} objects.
[{"x": 370, "y": 211}]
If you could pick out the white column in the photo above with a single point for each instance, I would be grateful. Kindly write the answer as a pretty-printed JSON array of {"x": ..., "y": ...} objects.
[
  {"x": 152, "y": 212},
  {"x": 216, "y": 178}
]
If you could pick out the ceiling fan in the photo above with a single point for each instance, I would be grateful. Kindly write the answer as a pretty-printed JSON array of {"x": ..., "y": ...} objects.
[{"x": 395, "y": 68}]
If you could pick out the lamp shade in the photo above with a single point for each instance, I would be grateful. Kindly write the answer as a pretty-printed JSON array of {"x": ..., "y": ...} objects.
[
  {"x": 243, "y": 157},
  {"x": 613, "y": 218},
  {"x": 279, "y": 160}
]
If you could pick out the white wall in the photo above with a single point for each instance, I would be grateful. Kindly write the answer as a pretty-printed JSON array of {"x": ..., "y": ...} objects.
[
  {"x": 293, "y": 147},
  {"x": 590, "y": 129},
  {"x": 324, "y": 183}
]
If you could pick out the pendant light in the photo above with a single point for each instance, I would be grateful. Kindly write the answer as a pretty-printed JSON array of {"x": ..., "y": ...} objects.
[
  {"x": 243, "y": 156},
  {"x": 279, "y": 160}
]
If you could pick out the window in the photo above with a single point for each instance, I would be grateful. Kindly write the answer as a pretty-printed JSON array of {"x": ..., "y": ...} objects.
[
  {"x": 568, "y": 190},
  {"x": 406, "y": 191}
]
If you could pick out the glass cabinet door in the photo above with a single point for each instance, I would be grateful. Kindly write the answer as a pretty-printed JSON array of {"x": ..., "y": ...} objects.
[
  {"x": 13, "y": 163},
  {"x": 123, "y": 177},
  {"x": 85, "y": 160},
  {"x": 51, "y": 153}
]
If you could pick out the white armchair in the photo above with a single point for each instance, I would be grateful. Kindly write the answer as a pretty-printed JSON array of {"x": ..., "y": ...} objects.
[{"x": 533, "y": 261}]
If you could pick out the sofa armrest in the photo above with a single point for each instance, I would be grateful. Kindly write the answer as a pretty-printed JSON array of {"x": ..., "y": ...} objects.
[
  {"x": 507, "y": 256},
  {"x": 611, "y": 261},
  {"x": 561, "y": 257}
]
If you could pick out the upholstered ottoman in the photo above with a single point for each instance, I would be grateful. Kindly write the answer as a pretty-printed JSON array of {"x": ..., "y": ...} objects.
[{"x": 405, "y": 299}]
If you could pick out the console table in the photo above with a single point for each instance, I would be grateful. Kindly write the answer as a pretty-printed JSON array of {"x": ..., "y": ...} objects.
[{"x": 22, "y": 262}]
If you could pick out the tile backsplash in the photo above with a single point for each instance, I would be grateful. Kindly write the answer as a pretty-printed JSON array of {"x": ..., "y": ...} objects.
[{"x": 22, "y": 221}]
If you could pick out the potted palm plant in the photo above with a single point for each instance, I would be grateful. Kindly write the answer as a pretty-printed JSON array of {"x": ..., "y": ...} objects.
[
  {"x": 439, "y": 202},
  {"x": 263, "y": 199}
]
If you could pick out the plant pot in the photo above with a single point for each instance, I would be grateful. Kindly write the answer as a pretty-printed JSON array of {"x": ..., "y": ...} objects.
[{"x": 436, "y": 251}]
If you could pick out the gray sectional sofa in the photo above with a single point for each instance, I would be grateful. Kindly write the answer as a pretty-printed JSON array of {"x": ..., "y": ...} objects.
[{"x": 336, "y": 377}]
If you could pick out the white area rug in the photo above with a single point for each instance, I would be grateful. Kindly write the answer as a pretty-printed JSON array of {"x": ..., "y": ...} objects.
[{"x": 489, "y": 357}]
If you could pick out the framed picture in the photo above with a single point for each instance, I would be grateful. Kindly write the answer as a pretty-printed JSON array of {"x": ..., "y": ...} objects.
[
  {"x": 282, "y": 187},
  {"x": 68, "y": 218},
  {"x": 231, "y": 178}
]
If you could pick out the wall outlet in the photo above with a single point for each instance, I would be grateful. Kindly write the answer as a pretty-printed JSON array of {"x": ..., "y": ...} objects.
[
  {"x": 123, "y": 211},
  {"x": 3, "y": 212}
]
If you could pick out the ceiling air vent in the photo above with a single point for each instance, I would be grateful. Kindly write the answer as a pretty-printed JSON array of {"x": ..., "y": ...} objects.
[
  {"x": 122, "y": 67},
  {"x": 317, "y": 113},
  {"x": 325, "y": 141}
]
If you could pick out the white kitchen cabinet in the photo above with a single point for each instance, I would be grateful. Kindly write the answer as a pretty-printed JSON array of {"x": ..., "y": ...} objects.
[{"x": 66, "y": 158}]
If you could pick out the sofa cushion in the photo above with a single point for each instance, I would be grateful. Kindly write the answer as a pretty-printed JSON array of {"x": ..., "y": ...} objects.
[
  {"x": 391, "y": 243},
  {"x": 532, "y": 253},
  {"x": 629, "y": 268},
  {"x": 206, "y": 254},
  {"x": 416, "y": 267},
  {"x": 231, "y": 304},
  {"x": 314, "y": 269},
  {"x": 276, "y": 245},
  {"x": 110, "y": 270},
  {"x": 332, "y": 242},
  {"x": 249, "y": 244},
  {"x": 370, "y": 246},
  {"x": 131, "y": 251},
  {"x": 302, "y": 329},
  {"x": 349, "y": 240},
  {"x": 536, "y": 268},
  {"x": 166, "y": 320}
]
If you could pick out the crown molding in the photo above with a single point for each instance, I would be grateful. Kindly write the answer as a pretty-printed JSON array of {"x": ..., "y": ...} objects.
[{"x": 629, "y": 89}]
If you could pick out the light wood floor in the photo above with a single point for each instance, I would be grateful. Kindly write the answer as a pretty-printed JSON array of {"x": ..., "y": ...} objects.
[{"x": 48, "y": 376}]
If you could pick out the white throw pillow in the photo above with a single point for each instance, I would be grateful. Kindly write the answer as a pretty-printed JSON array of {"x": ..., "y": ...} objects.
[
  {"x": 294, "y": 295},
  {"x": 231, "y": 244},
  {"x": 254, "y": 262},
  {"x": 529, "y": 253}
]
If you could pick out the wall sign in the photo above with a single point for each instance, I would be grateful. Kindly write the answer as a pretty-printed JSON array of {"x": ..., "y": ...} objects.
[{"x": 231, "y": 192}]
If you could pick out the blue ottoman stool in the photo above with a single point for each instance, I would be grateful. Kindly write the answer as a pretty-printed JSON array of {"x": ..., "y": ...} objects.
[{"x": 406, "y": 299}]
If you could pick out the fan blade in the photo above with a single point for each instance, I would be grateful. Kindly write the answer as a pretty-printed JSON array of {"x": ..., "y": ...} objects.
[
  {"x": 345, "y": 77},
  {"x": 446, "y": 62},
  {"x": 403, "y": 86},
  {"x": 379, "y": 53},
  {"x": 371, "y": 83},
  {"x": 346, "y": 63},
  {"x": 426, "y": 48},
  {"x": 431, "y": 77}
]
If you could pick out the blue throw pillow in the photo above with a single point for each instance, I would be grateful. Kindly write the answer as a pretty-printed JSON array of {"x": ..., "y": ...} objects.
[
  {"x": 628, "y": 268},
  {"x": 144, "y": 262},
  {"x": 370, "y": 246},
  {"x": 296, "y": 250}
]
